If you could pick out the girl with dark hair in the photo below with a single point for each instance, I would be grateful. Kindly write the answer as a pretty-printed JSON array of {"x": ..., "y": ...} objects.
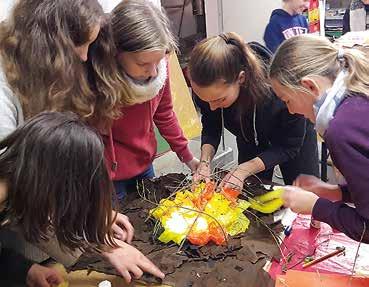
[
  {"x": 55, "y": 184},
  {"x": 230, "y": 79}
]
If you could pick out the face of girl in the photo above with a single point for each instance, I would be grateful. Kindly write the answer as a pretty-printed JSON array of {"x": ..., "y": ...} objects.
[
  {"x": 82, "y": 50},
  {"x": 141, "y": 66},
  {"x": 298, "y": 102},
  {"x": 218, "y": 95}
]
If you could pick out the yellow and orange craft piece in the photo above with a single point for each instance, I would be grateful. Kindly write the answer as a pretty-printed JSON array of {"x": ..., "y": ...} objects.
[{"x": 204, "y": 215}]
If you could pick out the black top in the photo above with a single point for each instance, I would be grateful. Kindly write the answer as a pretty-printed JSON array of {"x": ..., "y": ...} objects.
[
  {"x": 14, "y": 267},
  {"x": 275, "y": 136}
]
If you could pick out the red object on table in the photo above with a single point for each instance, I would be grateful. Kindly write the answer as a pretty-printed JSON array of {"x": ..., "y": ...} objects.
[{"x": 305, "y": 241}]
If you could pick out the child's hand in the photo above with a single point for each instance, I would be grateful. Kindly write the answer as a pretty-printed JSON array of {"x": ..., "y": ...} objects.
[
  {"x": 299, "y": 200},
  {"x": 320, "y": 188},
  {"x": 234, "y": 179},
  {"x": 128, "y": 260},
  {"x": 40, "y": 276},
  {"x": 193, "y": 164},
  {"x": 122, "y": 228},
  {"x": 202, "y": 172}
]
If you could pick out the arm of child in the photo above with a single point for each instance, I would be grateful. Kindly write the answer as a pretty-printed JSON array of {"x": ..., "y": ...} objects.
[{"x": 166, "y": 121}]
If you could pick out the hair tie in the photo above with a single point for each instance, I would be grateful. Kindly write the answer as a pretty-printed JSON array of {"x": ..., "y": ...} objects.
[
  {"x": 224, "y": 37},
  {"x": 341, "y": 54}
]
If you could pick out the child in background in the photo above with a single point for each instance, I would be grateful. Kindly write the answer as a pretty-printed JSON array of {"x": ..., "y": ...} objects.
[
  {"x": 286, "y": 22},
  {"x": 330, "y": 86},
  {"x": 54, "y": 184}
]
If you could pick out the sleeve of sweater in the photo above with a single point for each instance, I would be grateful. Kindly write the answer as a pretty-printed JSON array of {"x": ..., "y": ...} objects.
[
  {"x": 272, "y": 37},
  {"x": 166, "y": 121},
  {"x": 343, "y": 218},
  {"x": 13, "y": 266},
  {"x": 211, "y": 132},
  {"x": 287, "y": 138},
  {"x": 347, "y": 141}
]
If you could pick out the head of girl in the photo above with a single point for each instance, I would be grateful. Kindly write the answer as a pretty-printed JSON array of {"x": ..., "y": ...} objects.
[
  {"x": 43, "y": 45},
  {"x": 53, "y": 167},
  {"x": 143, "y": 38},
  {"x": 305, "y": 67},
  {"x": 296, "y": 6},
  {"x": 224, "y": 69}
]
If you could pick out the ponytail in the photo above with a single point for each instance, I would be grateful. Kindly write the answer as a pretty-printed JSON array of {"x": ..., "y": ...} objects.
[
  {"x": 357, "y": 66},
  {"x": 255, "y": 70}
]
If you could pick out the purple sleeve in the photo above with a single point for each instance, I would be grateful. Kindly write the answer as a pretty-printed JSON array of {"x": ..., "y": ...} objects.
[
  {"x": 346, "y": 196},
  {"x": 341, "y": 217},
  {"x": 348, "y": 143}
]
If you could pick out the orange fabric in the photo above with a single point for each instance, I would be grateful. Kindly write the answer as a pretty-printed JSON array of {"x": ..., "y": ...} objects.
[{"x": 314, "y": 279}]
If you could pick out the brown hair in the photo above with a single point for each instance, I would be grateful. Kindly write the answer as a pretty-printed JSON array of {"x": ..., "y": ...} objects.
[
  {"x": 138, "y": 25},
  {"x": 37, "y": 50},
  {"x": 308, "y": 55},
  {"x": 135, "y": 26},
  {"x": 111, "y": 89},
  {"x": 57, "y": 182},
  {"x": 223, "y": 57}
]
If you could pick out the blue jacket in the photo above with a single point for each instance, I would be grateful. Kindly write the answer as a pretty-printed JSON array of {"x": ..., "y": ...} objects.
[{"x": 282, "y": 26}]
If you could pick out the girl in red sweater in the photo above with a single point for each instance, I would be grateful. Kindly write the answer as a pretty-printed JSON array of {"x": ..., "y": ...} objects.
[{"x": 143, "y": 40}]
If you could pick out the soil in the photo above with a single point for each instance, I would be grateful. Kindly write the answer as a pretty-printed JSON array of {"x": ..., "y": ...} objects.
[{"x": 239, "y": 263}]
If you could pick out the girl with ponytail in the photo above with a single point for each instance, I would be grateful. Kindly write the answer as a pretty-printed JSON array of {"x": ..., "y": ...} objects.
[
  {"x": 330, "y": 86},
  {"x": 229, "y": 78}
]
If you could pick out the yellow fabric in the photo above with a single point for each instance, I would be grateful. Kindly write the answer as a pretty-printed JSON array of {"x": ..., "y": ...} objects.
[
  {"x": 182, "y": 101},
  {"x": 268, "y": 202},
  {"x": 218, "y": 210}
]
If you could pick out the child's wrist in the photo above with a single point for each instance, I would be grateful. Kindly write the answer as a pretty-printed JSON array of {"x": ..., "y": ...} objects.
[{"x": 205, "y": 162}]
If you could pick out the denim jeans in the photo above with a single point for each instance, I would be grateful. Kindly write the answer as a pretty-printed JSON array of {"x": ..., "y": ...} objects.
[{"x": 122, "y": 186}]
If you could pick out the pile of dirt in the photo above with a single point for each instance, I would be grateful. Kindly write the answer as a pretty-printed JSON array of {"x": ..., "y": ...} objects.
[{"x": 239, "y": 263}]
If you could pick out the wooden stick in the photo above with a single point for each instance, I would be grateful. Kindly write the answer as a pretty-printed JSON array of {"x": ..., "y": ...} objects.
[{"x": 329, "y": 255}]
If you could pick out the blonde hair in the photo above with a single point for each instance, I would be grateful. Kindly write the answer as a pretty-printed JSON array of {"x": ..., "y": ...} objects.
[
  {"x": 309, "y": 55},
  {"x": 138, "y": 25},
  {"x": 223, "y": 57}
]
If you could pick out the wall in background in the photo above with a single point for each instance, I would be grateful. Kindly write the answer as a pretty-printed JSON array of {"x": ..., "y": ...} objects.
[{"x": 248, "y": 18}]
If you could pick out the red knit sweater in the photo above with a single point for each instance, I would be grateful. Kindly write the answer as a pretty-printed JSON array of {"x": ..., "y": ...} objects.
[{"x": 131, "y": 146}]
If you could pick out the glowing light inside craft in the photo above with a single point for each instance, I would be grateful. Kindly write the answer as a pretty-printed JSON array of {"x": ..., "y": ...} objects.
[
  {"x": 203, "y": 215},
  {"x": 201, "y": 225},
  {"x": 177, "y": 223}
]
